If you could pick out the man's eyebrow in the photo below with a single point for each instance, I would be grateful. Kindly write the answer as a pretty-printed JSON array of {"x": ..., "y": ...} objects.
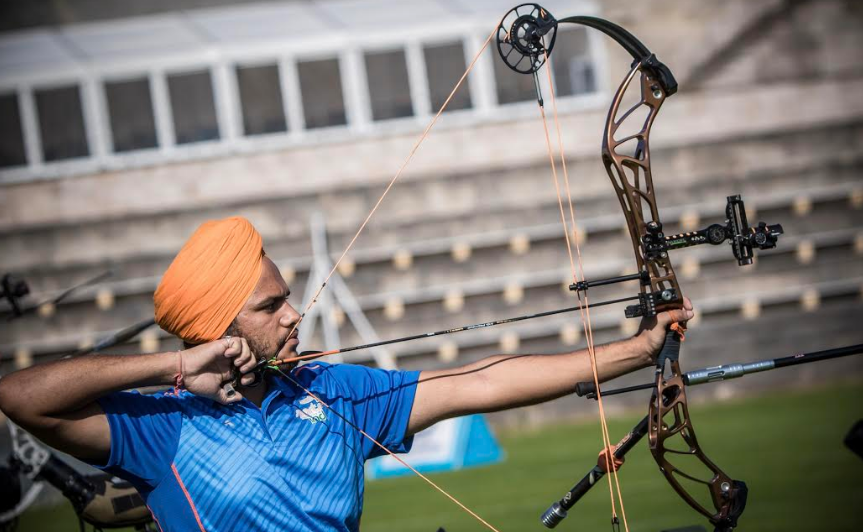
[{"x": 272, "y": 299}]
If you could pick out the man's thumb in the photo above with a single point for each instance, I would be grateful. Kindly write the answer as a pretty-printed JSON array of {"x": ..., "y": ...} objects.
[
  {"x": 227, "y": 394},
  {"x": 676, "y": 316}
]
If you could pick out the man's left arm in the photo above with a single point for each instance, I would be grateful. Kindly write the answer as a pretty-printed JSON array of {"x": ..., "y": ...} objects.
[{"x": 508, "y": 381}]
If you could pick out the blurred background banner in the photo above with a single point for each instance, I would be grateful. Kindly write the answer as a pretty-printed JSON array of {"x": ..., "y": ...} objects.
[
  {"x": 449, "y": 445},
  {"x": 125, "y": 125}
]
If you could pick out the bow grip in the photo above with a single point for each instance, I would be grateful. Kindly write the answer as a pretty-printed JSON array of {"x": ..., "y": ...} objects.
[{"x": 670, "y": 349}]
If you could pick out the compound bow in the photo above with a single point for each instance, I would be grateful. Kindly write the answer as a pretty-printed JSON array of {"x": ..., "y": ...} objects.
[{"x": 526, "y": 37}]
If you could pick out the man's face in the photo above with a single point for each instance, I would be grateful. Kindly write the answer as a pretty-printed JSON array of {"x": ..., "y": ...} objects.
[{"x": 267, "y": 318}]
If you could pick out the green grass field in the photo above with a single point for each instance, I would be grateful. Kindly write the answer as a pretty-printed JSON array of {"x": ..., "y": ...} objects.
[{"x": 787, "y": 447}]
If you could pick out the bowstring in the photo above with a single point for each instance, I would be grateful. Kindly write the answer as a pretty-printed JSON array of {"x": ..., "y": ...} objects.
[
  {"x": 582, "y": 303},
  {"x": 584, "y": 308},
  {"x": 389, "y": 452}
]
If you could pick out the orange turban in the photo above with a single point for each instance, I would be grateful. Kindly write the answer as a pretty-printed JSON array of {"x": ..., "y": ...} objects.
[{"x": 210, "y": 280}]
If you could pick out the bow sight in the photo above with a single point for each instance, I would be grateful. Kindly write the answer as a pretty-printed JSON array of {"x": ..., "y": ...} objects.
[
  {"x": 656, "y": 245},
  {"x": 743, "y": 239}
]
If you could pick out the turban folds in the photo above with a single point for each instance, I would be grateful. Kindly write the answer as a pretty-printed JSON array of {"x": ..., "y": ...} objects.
[{"x": 210, "y": 280}]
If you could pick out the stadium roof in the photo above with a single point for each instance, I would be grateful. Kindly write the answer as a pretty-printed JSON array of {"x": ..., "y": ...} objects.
[{"x": 281, "y": 25}]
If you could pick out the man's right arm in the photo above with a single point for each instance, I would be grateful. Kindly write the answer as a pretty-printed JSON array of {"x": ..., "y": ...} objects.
[{"x": 56, "y": 401}]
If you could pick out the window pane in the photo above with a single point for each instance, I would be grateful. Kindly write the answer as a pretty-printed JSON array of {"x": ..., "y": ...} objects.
[
  {"x": 130, "y": 109},
  {"x": 573, "y": 69},
  {"x": 261, "y": 99},
  {"x": 321, "y": 88},
  {"x": 11, "y": 136},
  {"x": 389, "y": 89},
  {"x": 61, "y": 123},
  {"x": 444, "y": 66},
  {"x": 512, "y": 86},
  {"x": 193, "y": 107}
]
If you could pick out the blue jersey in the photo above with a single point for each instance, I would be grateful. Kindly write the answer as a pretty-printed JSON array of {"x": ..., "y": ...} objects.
[{"x": 292, "y": 465}]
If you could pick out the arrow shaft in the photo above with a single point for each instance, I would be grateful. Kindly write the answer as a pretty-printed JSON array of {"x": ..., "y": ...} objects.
[{"x": 473, "y": 327}]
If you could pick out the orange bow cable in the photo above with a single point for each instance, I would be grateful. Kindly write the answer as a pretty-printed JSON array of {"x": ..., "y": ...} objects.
[
  {"x": 587, "y": 324},
  {"x": 396, "y": 177},
  {"x": 385, "y": 449},
  {"x": 585, "y": 308},
  {"x": 583, "y": 303}
]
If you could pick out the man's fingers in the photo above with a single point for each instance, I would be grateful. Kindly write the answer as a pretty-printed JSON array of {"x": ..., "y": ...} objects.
[
  {"x": 247, "y": 360},
  {"x": 240, "y": 351},
  {"x": 233, "y": 346},
  {"x": 237, "y": 348},
  {"x": 248, "y": 365},
  {"x": 243, "y": 361},
  {"x": 687, "y": 303},
  {"x": 247, "y": 352}
]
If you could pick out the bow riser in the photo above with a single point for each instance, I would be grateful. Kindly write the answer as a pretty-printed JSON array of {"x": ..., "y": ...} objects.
[
  {"x": 629, "y": 169},
  {"x": 632, "y": 179}
]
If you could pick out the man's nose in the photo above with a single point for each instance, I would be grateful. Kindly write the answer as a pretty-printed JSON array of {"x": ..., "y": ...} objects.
[{"x": 289, "y": 316}]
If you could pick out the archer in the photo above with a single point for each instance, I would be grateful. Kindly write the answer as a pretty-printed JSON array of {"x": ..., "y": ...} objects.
[{"x": 289, "y": 452}]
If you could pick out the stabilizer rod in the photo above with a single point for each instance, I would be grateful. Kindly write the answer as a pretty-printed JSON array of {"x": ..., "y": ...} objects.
[{"x": 730, "y": 371}]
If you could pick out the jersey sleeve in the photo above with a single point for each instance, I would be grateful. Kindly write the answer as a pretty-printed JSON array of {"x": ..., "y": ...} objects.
[
  {"x": 145, "y": 431},
  {"x": 381, "y": 401}
]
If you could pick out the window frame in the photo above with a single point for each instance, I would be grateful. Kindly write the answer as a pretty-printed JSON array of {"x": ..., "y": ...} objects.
[{"x": 222, "y": 64}]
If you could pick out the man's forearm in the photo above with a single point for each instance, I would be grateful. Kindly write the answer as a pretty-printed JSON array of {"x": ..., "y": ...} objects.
[
  {"x": 510, "y": 381},
  {"x": 64, "y": 386}
]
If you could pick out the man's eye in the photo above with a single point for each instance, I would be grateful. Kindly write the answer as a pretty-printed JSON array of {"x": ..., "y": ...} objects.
[{"x": 277, "y": 304}]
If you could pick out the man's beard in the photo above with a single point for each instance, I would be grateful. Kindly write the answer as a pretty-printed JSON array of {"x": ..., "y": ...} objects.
[{"x": 261, "y": 348}]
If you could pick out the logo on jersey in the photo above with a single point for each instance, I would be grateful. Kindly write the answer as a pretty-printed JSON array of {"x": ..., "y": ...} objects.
[{"x": 313, "y": 411}]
